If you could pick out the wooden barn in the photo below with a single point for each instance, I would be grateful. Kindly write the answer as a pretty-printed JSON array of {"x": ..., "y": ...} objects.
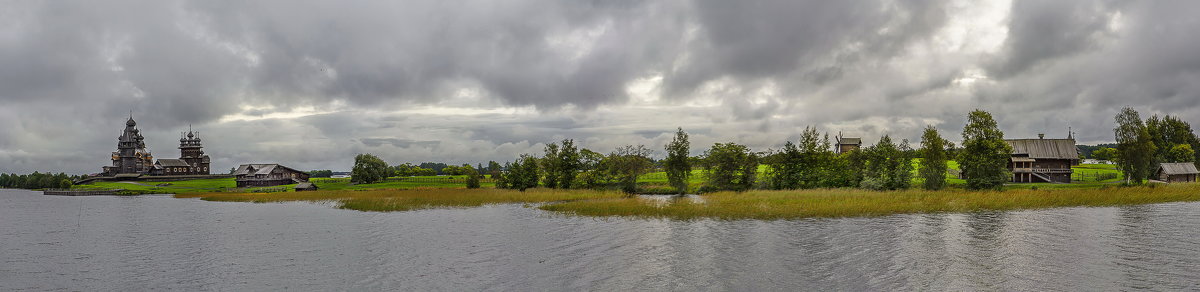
[
  {"x": 1176, "y": 172},
  {"x": 1042, "y": 160},
  {"x": 265, "y": 175}
]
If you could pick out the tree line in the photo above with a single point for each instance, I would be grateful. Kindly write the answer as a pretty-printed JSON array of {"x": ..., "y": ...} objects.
[
  {"x": 804, "y": 164},
  {"x": 371, "y": 169},
  {"x": 809, "y": 162},
  {"x": 36, "y": 180}
]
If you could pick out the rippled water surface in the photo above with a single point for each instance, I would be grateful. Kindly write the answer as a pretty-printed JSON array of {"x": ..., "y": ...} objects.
[{"x": 159, "y": 242}]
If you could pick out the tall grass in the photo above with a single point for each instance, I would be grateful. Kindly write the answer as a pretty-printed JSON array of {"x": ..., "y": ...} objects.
[
  {"x": 415, "y": 199},
  {"x": 772, "y": 205}
]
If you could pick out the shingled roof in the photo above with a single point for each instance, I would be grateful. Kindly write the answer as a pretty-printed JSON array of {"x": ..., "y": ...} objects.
[
  {"x": 173, "y": 163},
  {"x": 253, "y": 169},
  {"x": 1178, "y": 168},
  {"x": 1044, "y": 148}
]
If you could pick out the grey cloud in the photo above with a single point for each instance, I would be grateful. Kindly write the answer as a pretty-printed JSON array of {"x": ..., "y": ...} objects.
[
  {"x": 1040, "y": 31},
  {"x": 775, "y": 39},
  {"x": 402, "y": 143}
]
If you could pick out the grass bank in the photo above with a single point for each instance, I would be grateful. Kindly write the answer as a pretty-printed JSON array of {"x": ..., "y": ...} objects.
[
  {"x": 772, "y": 205},
  {"x": 414, "y": 199}
]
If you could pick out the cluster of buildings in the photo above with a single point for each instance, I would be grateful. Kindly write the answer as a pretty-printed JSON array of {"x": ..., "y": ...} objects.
[
  {"x": 132, "y": 161},
  {"x": 132, "y": 158},
  {"x": 1049, "y": 160}
]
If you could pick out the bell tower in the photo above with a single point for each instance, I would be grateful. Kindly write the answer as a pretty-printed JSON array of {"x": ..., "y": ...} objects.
[{"x": 191, "y": 151}]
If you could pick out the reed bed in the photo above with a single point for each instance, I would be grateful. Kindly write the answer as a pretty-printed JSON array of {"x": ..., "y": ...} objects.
[
  {"x": 776, "y": 205},
  {"x": 414, "y": 199}
]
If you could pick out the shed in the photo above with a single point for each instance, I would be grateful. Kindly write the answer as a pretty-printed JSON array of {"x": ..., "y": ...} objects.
[
  {"x": 306, "y": 186},
  {"x": 1177, "y": 172}
]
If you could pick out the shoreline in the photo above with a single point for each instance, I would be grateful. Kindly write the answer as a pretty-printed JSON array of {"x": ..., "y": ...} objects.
[{"x": 755, "y": 204}]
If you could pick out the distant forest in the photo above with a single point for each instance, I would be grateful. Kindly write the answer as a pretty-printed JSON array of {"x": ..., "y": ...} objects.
[{"x": 1086, "y": 150}]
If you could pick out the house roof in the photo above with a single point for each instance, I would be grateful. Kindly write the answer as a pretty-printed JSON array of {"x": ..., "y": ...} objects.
[
  {"x": 1178, "y": 168},
  {"x": 255, "y": 169},
  {"x": 1044, "y": 148},
  {"x": 173, "y": 163},
  {"x": 849, "y": 141}
]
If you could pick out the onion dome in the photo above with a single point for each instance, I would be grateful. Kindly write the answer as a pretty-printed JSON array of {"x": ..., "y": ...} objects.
[{"x": 130, "y": 123}]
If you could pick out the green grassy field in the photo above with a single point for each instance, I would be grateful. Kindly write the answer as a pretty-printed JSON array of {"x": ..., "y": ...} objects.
[
  {"x": 172, "y": 187},
  {"x": 773, "y": 205}
]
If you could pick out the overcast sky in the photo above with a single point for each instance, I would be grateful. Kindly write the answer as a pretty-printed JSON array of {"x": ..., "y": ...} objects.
[{"x": 309, "y": 84}]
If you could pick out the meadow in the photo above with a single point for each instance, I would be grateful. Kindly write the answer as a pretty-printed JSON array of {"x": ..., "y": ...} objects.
[
  {"x": 795, "y": 204},
  {"x": 413, "y": 199}
]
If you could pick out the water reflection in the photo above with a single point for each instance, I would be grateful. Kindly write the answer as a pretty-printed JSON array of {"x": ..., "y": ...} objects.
[{"x": 156, "y": 242}]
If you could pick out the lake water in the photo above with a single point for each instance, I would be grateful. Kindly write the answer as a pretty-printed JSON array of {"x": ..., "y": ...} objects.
[{"x": 159, "y": 242}]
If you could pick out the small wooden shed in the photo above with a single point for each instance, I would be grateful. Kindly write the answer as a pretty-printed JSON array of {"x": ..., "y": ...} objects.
[
  {"x": 306, "y": 186},
  {"x": 1177, "y": 172}
]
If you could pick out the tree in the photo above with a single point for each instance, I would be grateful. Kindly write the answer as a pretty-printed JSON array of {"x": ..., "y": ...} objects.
[
  {"x": 472, "y": 177},
  {"x": 843, "y": 170},
  {"x": 678, "y": 169},
  {"x": 368, "y": 169},
  {"x": 784, "y": 167},
  {"x": 523, "y": 174},
  {"x": 568, "y": 164},
  {"x": 628, "y": 163},
  {"x": 888, "y": 166},
  {"x": 503, "y": 181},
  {"x": 452, "y": 170},
  {"x": 549, "y": 165},
  {"x": 933, "y": 159},
  {"x": 815, "y": 159},
  {"x": 730, "y": 166},
  {"x": 65, "y": 183},
  {"x": 1135, "y": 146},
  {"x": 984, "y": 155},
  {"x": 1104, "y": 153},
  {"x": 320, "y": 173},
  {"x": 596, "y": 172},
  {"x": 1181, "y": 153},
  {"x": 493, "y": 169}
]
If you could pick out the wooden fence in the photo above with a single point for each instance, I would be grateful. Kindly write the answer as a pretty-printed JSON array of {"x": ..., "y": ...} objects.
[
  {"x": 425, "y": 179},
  {"x": 70, "y": 192}
]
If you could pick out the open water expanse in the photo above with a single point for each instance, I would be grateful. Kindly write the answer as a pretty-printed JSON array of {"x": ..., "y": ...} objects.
[{"x": 159, "y": 242}]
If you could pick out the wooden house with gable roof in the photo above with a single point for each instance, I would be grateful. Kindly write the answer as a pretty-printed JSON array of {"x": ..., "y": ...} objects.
[
  {"x": 1042, "y": 160},
  {"x": 265, "y": 175},
  {"x": 1176, "y": 172}
]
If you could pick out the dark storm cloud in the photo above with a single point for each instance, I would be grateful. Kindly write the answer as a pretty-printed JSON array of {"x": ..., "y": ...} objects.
[
  {"x": 776, "y": 39},
  {"x": 1040, "y": 31},
  {"x": 314, "y": 82}
]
